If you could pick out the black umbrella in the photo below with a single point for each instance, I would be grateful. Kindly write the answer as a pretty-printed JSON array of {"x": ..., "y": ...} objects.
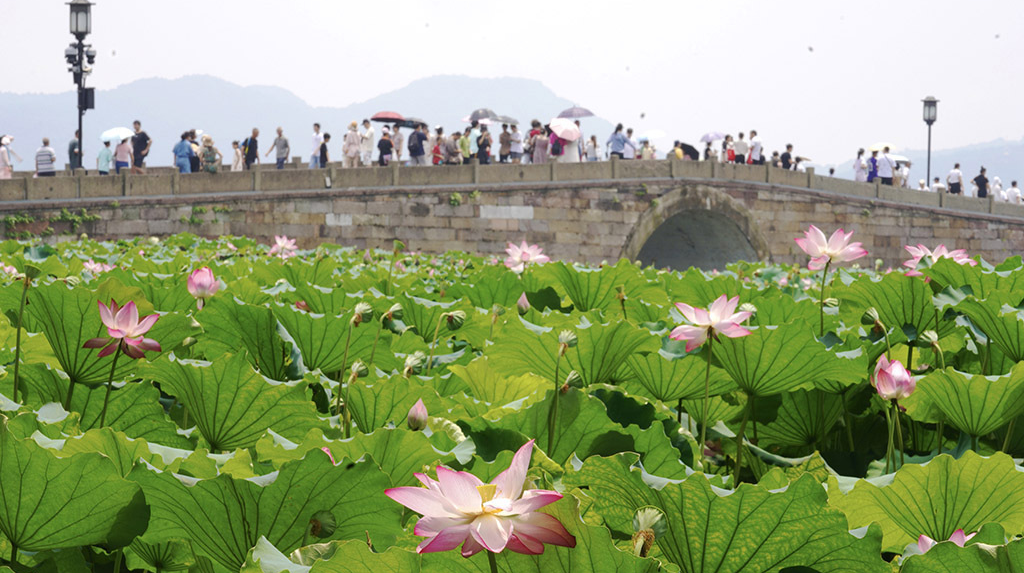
[
  {"x": 411, "y": 122},
  {"x": 482, "y": 113},
  {"x": 576, "y": 112},
  {"x": 506, "y": 119},
  {"x": 690, "y": 151}
]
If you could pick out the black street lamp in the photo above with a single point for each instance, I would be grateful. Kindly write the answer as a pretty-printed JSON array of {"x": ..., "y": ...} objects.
[
  {"x": 930, "y": 110},
  {"x": 80, "y": 57}
]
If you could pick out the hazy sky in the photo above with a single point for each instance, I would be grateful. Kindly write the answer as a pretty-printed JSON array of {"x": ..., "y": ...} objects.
[{"x": 689, "y": 66}]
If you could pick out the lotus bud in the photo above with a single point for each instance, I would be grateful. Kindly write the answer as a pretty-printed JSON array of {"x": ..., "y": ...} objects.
[
  {"x": 648, "y": 525},
  {"x": 523, "y": 304},
  {"x": 878, "y": 264},
  {"x": 361, "y": 313},
  {"x": 83, "y": 237},
  {"x": 359, "y": 369},
  {"x": 154, "y": 241},
  {"x": 414, "y": 362},
  {"x": 302, "y": 305},
  {"x": 394, "y": 313},
  {"x": 930, "y": 337},
  {"x": 417, "y": 418},
  {"x": 322, "y": 524},
  {"x": 574, "y": 379},
  {"x": 747, "y": 307},
  {"x": 455, "y": 319},
  {"x": 367, "y": 257},
  {"x": 870, "y": 317}
]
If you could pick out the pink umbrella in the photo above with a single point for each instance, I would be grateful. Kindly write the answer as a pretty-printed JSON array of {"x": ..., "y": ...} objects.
[{"x": 565, "y": 128}]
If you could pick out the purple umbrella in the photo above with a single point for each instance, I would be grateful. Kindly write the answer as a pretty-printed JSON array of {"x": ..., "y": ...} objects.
[{"x": 576, "y": 112}]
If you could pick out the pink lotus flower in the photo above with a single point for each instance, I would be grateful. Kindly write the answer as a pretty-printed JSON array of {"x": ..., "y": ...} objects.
[
  {"x": 892, "y": 381},
  {"x": 283, "y": 247},
  {"x": 719, "y": 318},
  {"x": 96, "y": 268},
  {"x": 919, "y": 252},
  {"x": 523, "y": 303},
  {"x": 8, "y": 269},
  {"x": 417, "y": 417},
  {"x": 924, "y": 543},
  {"x": 835, "y": 249},
  {"x": 519, "y": 257},
  {"x": 126, "y": 331},
  {"x": 202, "y": 285},
  {"x": 327, "y": 451},
  {"x": 302, "y": 305},
  {"x": 459, "y": 509}
]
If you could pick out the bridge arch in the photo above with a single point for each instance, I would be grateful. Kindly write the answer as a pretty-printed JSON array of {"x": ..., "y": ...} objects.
[{"x": 699, "y": 226}]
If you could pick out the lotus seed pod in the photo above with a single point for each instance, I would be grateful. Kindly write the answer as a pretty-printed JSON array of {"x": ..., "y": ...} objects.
[{"x": 456, "y": 319}]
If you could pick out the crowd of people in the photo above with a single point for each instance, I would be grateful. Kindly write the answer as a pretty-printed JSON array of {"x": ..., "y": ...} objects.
[{"x": 360, "y": 147}]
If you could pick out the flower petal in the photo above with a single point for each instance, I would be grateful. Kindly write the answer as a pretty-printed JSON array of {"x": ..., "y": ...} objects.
[
  {"x": 421, "y": 500},
  {"x": 432, "y": 525},
  {"x": 96, "y": 343},
  {"x": 471, "y": 547},
  {"x": 522, "y": 543},
  {"x": 535, "y": 499},
  {"x": 145, "y": 324},
  {"x": 446, "y": 540},
  {"x": 510, "y": 481},
  {"x": 543, "y": 528},
  {"x": 106, "y": 315},
  {"x": 491, "y": 531},
  {"x": 460, "y": 489}
]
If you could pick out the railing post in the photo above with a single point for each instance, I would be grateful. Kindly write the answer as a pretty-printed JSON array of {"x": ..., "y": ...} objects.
[
  {"x": 767, "y": 172},
  {"x": 394, "y": 173},
  {"x": 716, "y": 170},
  {"x": 942, "y": 198},
  {"x": 256, "y": 178},
  {"x": 552, "y": 171},
  {"x": 332, "y": 174},
  {"x": 615, "y": 166},
  {"x": 176, "y": 183},
  {"x": 125, "y": 185},
  {"x": 78, "y": 182},
  {"x": 991, "y": 203},
  {"x": 476, "y": 169},
  {"x": 810, "y": 177},
  {"x": 672, "y": 167},
  {"x": 878, "y": 187}
]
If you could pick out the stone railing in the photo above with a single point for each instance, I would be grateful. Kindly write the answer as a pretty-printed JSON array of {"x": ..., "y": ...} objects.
[{"x": 166, "y": 182}]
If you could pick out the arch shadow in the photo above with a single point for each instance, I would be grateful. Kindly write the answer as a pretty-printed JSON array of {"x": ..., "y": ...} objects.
[{"x": 698, "y": 226}]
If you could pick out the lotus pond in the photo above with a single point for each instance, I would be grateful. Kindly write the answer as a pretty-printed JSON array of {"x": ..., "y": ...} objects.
[{"x": 221, "y": 406}]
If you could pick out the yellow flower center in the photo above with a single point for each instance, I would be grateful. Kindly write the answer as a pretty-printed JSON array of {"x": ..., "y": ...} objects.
[{"x": 487, "y": 492}]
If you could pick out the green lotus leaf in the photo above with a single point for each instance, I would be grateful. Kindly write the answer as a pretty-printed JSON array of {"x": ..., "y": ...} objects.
[
  {"x": 664, "y": 377},
  {"x": 51, "y": 503},
  {"x": 231, "y": 325},
  {"x": 1005, "y": 329},
  {"x": 980, "y": 282},
  {"x": 375, "y": 405},
  {"x": 489, "y": 286},
  {"x": 697, "y": 289},
  {"x": 594, "y": 289},
  {"x": 774, "y": 360},
  {"x": 158, "y": 557},
  {"x": 233, "y": 405},
  {"x": 747, "y": 530},
  {"x": 974, "y": 404},
  {"x": 321, "y": 340},
  {"x": 487, "y": 383},
  {"x": 224, "y": 517},
  {"x": 938, "y": 498},
  {"x": 803, "y": 419},
  {"x": 902, "y": 302}
]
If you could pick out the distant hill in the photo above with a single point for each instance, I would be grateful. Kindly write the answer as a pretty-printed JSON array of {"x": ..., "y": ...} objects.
[
  {"x": 1001, "y": 158},
  {"x": 228, "y": 111}
]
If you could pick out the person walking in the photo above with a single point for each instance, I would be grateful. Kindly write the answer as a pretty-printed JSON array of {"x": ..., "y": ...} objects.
[
  {"x": 515, "y": 149},
  {"x": 464, "y": 146},
  {"x": 483, "y": 146},
  {"x": 955, "y": 180},
  {"x": 1013, "y": 194},
  {"x": 194, "y": 160},
  {"x": 105, "y": 159},
  {"x": 504, "y": 144},
  {"x": 141, "y": 143},
  {"x": 385, "y": 148},
  {"x": 860, "y": 167},
  {"x": 123, "y": 156},
  {"x": 982, "y": 182},
  {"x": 646, "y": 150},
  {"x": 75, "y": 152},
  {"x": 886, "y": 167},
  {"x": 366, "y": 139},
  {"x": 325, "y": 156},
  {"x": 6, "y": 163},
  {"x": 756, "y": 148},
  {"x": 873, "y": 166},
  {"x": 787, "y": 157},
  {"x": 282, "y": 147},
  {"x": 182, "y": 155},
  {"x": 540, "y": 143},
  {"x": 728, "y": 150},
  {"x": 251, "y": 149},
  {"x": 617, "y": 143},
  {"x": 350, "y": 147},
  {"x": 593, "y": 149},
  {"x": 210, "y": 156},
  {"x": 237, "y": 159},
  {"x": 417, "y": 146},
  {"x": 46, "y": 160},
  {"x": 452, "y": 150},
  {"x": 741, "y": 148},
  {"x": 397, "y": 143},
  {"x": 632, "y": 148},
  {"x": 997, "y": 189}
]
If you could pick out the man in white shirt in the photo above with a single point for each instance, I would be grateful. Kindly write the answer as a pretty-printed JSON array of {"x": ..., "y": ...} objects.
[
  {"x": 351, "y": 146},
  {"x": 366, "y": 143},
  {"x": 886, "y": 167},
  {"x": 516, "y": 144},
  {"x": 318, "y": 140},
  {"x": 740, "y": 148},
  {"x": 955, "y": 180},
  {"x": 755, "y": 148},
  {"x": 937, "y": 186},
  {"x": 1013, "y": 194},
  {"x": 629, "y": 151}
]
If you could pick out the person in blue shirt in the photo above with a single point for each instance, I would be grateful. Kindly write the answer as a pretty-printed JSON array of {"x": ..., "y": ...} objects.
[
  {"x": 873, "y": 166},
  {"x": 183, "y": 154},
  {"x": 617, "y": 143}
]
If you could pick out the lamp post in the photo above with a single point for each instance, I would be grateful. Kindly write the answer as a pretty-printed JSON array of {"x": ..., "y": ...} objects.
[
  {"x": 930, "y": 109},
  {"x": 80, "y": 57}
]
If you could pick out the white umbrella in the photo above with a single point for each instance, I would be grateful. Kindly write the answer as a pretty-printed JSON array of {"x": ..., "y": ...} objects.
[
  {"x": 712, "y": 136},
  {"x": 899, "y": 158},
  {"x": 565, "y": 128},
  {"x": 881, "y": 145},
  {"x": 117, "y": 134}
]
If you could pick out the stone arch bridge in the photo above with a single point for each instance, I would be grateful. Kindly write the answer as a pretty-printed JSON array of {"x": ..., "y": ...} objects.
[{"x": 671, "y": 213}]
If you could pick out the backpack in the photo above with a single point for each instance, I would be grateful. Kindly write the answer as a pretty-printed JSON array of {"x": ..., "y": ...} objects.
[{"x": 556, "y": 147}]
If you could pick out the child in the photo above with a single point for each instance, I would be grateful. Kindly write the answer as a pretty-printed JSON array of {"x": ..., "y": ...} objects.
[{"x": 324, "y": 156}]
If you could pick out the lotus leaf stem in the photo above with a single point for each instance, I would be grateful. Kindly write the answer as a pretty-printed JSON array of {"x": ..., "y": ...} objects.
[
  {"x": 17, "y": 337},
  {"x": 110, "y": 384}
]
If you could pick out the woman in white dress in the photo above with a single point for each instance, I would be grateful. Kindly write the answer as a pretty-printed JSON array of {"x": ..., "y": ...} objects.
[
  {"x": 237, "y": 161},
  {"x": 571, "y": 152},
  {"x": 860, "y": 167}
]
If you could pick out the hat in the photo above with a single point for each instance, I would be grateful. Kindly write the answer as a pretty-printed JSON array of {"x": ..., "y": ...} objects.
[
  {"x": 353, "y": 125},
  {"x": 6, "y": 140}
]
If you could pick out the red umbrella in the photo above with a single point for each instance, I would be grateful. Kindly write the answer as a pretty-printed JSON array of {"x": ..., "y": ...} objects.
[{"x": 387, "y": 117}]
